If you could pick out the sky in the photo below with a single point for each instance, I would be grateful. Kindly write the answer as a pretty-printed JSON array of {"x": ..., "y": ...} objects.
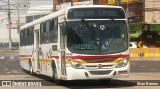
[{"x": 23, "y": 6}]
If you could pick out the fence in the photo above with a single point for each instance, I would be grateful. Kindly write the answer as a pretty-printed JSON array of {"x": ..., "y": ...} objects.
[
  {"x": 5, "y": 46},
  {"x": 145, "y": 53}
]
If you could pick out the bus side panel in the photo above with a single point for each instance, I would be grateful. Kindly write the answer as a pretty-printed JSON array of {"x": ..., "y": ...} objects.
[{"x": 25, "y": 55}]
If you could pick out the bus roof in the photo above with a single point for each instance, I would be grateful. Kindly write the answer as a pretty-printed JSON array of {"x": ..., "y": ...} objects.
[
  {"x": 62, "y": 11},
  {"x": 45, "y": 18},
  {"x": 99, "y": 6}
]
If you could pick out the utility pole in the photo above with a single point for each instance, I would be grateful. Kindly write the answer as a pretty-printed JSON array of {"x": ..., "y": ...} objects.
[
  {"x": 127, "y": 9},
  {"x": 9, "y": 26},
  {"x": 118, "y": 2},
  {"x": 18, "y": 21}
]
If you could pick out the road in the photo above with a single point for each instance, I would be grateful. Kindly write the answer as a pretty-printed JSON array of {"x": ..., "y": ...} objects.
[
  {"x": 9, "y": 65},
  {"x": 140, "y": 70}
]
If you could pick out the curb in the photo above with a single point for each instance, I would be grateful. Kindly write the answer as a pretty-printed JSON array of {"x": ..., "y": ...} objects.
[
  {"x": 154, "y": 59},
  {"x": 9, "y": 51}
]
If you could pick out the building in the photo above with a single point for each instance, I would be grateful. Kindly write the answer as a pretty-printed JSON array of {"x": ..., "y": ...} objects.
[
  {"x": 152, "y": 11},
  {"x": 59, "y": 4},
  {"x": 36, "y": 12},
  {"x": 139, "y": 12},
  {"x": 134, "y": 8},
  {"x": 16, "y": 6}
]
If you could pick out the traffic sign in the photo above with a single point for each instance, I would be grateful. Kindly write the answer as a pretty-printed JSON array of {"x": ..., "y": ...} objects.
[
  {"x": 17, "y": 23},
  {"x": 140, "y": 44},
  {"x": 111, "y": 1}
]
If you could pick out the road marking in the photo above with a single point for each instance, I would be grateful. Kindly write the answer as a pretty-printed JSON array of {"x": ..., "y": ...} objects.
[
  {"x": 5, "y": 69},
  {"x": 8, "y": 72},
  {"x": 142, "y": 66},
  {"x": 3, "y": 66},
  {"x": 2, "y": 57},
  {"x": 142, "y": 73},
  {"x": 133, "y": 64},
  {"x": 152, "y": 69},
  {"x": 12, "y": 57},
  {"x": 17, "y": 71}
]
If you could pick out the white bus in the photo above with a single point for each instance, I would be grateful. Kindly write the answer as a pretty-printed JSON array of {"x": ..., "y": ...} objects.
[{"x": 77, "y": 43}]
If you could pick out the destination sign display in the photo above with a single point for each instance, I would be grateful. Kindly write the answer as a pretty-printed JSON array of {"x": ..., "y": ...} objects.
[{"x": 96, "y": 13}]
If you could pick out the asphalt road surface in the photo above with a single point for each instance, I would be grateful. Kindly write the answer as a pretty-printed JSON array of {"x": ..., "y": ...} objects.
[
  {"x": 140, "y": 70},
  {"x": 9, "y": 65}
]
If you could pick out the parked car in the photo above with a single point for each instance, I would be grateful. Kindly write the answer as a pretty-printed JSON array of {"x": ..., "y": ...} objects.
[{"x": 134, "y": 45}]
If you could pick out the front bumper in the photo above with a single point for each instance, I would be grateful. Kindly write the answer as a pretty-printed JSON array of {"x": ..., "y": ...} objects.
[{"x": 85, "y": 74}]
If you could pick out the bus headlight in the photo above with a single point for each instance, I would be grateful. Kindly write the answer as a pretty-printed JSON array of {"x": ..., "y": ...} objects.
[
  {"x": 75, "y": 64},
  {"x": 122, "y": 63}
]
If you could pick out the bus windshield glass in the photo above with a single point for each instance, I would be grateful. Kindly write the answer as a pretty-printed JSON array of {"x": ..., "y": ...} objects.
[{"x": 97, "y": 37}]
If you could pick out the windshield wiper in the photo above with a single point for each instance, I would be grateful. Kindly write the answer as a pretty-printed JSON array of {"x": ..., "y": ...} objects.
[
  {"x": 87, "y": 25},
  {"x": 110, "y": 31}
]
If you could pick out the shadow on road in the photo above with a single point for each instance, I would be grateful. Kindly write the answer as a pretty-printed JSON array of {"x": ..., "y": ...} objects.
[
  {"x": 87, "y": 83},
  {"x": 97, "y": 84}
]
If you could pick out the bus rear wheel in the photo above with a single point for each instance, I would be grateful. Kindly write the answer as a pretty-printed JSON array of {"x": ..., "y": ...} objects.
[
  {"x": 30, "y": 68},
  {"x": 55, "y": 75}
]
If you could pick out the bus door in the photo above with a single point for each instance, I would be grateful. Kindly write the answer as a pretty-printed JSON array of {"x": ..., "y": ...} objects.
[
  {"x": 62, "y": 53},
  {"x": 36, "y": 47}
]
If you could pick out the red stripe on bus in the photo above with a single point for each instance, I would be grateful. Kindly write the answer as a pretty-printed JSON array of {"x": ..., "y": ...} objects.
[
  {"x": 56, "y": 57},
  {"x": 93, "y": 57},
  {"x": 87, "y": 57}
]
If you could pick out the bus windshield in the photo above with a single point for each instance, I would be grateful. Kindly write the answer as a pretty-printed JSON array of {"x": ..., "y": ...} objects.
[{"x": 97, "y": 37}]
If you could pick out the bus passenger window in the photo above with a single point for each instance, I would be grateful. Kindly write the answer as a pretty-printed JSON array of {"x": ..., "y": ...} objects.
[
  {"x": 46, "y": 33},
  {"x": 41, "y": 34},
  {"x": 54, "y": 30},
  {"x": 74, "y": 36}
]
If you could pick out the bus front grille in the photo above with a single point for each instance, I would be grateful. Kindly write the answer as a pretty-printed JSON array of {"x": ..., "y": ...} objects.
[
  {"x": 106, "y": 72},
  {"x": 96, "y": 66}
]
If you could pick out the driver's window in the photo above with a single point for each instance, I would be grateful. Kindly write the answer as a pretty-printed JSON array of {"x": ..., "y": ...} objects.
[
  {"x": 61, "y": 38},
  {"x": 123, "y": 29}
]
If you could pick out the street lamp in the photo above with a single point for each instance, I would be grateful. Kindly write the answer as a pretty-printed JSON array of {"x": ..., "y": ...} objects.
[{"x": 127, "y": 9}]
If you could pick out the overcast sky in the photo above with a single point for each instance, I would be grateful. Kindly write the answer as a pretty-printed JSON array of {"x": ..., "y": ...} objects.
[{"x": 23, "y": 5}]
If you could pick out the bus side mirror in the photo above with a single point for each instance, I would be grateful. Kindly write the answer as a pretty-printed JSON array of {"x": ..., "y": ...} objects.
[{"x": 63, "y": 27}]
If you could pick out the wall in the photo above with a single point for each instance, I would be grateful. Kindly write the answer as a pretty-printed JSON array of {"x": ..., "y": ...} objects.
[
  {"x": 152, "y": 11},
  {"x": 145, "y": 53}
]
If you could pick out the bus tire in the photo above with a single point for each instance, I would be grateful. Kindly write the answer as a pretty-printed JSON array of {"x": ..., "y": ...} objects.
[
  {"x": 31, "y": 68},
  {"x": 55, "y": 74}
]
